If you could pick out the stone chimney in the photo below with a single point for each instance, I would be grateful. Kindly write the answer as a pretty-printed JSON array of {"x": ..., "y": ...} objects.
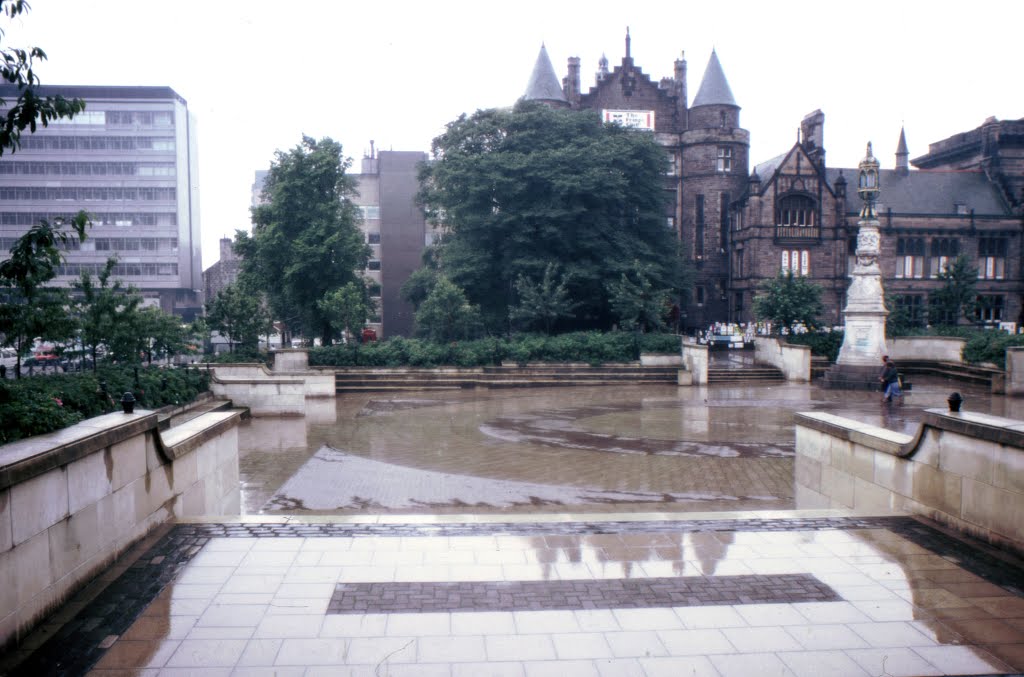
[{"x": 812, "y": 129}]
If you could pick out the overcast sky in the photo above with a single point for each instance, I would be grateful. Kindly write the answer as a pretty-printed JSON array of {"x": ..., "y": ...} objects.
[{"x": 259, "y": 74}]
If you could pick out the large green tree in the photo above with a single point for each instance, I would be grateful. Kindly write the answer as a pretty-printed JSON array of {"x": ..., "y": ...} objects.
[
  {"x": 519, "y": 189},
  {"x": 788, "y": 299},
  {"x": 305, "y": 239}
]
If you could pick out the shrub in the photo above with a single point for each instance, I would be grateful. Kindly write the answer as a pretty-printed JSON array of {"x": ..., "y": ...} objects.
[
  {"x": 40, "y": 404},
  {"x": 591, "y": 347},
  {"x": 825, "y": 343}
]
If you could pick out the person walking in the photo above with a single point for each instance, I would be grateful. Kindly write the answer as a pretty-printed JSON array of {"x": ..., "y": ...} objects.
[{"x": 890, "y": 380}]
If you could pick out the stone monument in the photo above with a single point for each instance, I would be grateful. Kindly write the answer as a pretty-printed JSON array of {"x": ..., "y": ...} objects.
[{"x": 860, "y": 357}]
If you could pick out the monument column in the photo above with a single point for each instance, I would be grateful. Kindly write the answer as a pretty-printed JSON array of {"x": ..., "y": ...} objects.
[{"x": 860, "y": 357}]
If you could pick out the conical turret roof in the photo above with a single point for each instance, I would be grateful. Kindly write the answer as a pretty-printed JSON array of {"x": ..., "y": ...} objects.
[
  {"x": 544, "y": 85},
  {"x": 714, "y": 88},
  {"x": 901, "y": 147}
]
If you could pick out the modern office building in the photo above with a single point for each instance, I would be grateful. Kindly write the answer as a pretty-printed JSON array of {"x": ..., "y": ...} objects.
[
  {"x": 394, "y": 227},
  {"x": 396, "y": 231},
  {"x": 129, "y": 161}
]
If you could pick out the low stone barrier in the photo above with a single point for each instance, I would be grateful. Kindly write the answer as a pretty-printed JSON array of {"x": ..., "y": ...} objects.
[
  {"x": 73, "y": 500},
  {"x": 1013, "y": 383},
  {"x": 660, "y": 360},
  {"x": 961, "y": 469},
  {"x": 931, "y": 348},
  {"x": 695, "y": 364},
  {"x": 793, "y": 361},
  {"x": 268, "y": 396}
]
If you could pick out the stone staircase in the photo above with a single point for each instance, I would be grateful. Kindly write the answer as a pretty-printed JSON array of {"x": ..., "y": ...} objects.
[
  {"x": 968, "y": 373},
  {"x": 748, "y": 374},
  {"x": 351, "y": 380}
]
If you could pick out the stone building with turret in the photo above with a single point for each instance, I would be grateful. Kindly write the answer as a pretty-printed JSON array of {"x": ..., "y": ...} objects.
[
  {"x": 707, "y": 149},
  {"x": 794, "y": 212}
]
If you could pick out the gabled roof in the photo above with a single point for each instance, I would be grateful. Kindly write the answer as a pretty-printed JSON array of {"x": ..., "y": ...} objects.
[
  {"x": 714, "y": 88},
  {"x": 928, "y": 192},
  {"x": 544, "y": 84}
]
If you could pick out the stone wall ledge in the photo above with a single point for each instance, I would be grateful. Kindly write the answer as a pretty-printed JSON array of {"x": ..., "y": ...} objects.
[
  {"x": 994, "y": 429},
  {"x": 24, "y": 459}
]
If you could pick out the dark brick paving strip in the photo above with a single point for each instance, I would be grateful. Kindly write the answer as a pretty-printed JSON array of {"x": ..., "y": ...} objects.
[
  {"x": 75, "y": 648},
  {"x": 630, "y": 593}
]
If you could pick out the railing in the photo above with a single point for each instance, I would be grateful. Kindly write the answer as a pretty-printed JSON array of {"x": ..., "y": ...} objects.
[{"x": 797, "y": 233}]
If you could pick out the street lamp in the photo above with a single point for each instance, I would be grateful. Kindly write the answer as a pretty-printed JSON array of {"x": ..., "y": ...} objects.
[{"x": 868, "y": 185}]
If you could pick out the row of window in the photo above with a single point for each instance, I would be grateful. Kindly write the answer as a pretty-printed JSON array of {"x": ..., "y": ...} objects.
[
  {"x": 120, "y": 118},
  {"x": 989, "y": 308},
  {"x": 87, "y": 168},
  {"x": 121, "y": 269},
  {"x": 101, "y": 219},
  {"x": 84, "y": 194},
  {"x": 55, "y": 142},
  {"x": 113, "y": 244},
  {"x": 910, "y": 257},
  {"x": 797, "y": 262}
]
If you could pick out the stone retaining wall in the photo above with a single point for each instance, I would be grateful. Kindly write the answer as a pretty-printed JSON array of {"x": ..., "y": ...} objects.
[
  {"x": 72, "y": 501},
  {"x": 793, "y": 361},
  {"x": 695, "y": 362},
  {"x": 933, "y": 348},
  {"x": 964, "y": 470}
]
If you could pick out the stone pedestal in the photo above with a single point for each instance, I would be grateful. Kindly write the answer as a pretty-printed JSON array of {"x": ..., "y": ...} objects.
[{"x": 860, "y": 358}]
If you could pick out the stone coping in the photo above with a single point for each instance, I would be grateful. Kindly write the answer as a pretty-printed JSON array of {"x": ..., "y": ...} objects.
[
  {"x": 27, "y": 458},
  {"x": 257, "y": 381},
  {"x": 181, "y": 439},
  {"x": 24, "y": 459},
  {"x": 995, "y": 429}
]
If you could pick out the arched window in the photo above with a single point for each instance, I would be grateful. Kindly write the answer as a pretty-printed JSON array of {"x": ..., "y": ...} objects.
[{"x": 797, "y": 210}]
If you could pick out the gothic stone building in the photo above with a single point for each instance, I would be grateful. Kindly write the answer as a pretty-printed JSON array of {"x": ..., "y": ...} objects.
[{"x": 793, "y": 212}]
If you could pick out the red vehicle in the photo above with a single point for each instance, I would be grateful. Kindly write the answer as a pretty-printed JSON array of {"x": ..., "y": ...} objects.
[{"x": 369, "y": 335}]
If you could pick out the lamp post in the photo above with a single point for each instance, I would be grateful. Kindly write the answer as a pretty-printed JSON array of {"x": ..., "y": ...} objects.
[{"x": 865, "y": 313}]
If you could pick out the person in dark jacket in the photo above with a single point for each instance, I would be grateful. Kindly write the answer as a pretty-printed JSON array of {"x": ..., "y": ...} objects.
[{"x": 890, "y": 380}]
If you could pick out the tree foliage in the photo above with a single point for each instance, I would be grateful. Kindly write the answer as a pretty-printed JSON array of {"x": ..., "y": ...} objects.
[
  {"x": 239, "y": 313},
  {"x": 788, "y": 299},
  {"x": 29, "y": 307},
  {"x": 105, "y": 311},
  {"x": 347, "y": 308},
  {"x": 446, "y": 315},
  {"x": 637, "y": 303},
  {"x": 17, "y": 67},
  {"x": 956, "y": 299},
  {"x": 519, "y": 189},
  {"x": 305, "y": 239},
  {"x": 542, "y": 304}
]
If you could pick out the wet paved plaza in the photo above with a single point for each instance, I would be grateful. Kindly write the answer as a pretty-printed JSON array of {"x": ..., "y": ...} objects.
[{"x": 599, "y": 531}]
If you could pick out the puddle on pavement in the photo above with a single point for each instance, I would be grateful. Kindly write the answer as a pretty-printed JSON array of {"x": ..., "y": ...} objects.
[{"x": 635, "y": 447}]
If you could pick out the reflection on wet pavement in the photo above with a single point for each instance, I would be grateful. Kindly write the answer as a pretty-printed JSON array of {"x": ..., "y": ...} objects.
[
  {"x": 847, "y": 596},
  {"x": 711, "y": 448}
]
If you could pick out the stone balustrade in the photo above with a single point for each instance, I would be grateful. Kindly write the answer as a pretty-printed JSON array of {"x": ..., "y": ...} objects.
[
  {"x": 963, "y": 469},
  {"x": 73, "y": 500}
]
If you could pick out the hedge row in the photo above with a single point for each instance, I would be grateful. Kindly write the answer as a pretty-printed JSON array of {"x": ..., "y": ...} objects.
[
  {"x": 589, "y": 347},
  {"x": 40, "y": 404}
]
